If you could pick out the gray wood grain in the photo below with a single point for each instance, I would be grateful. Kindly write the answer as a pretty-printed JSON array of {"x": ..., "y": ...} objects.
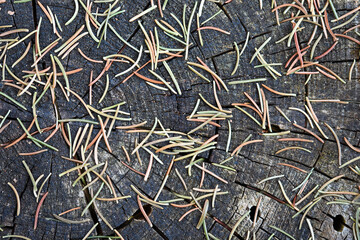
[{"x": 254, "y": 163}]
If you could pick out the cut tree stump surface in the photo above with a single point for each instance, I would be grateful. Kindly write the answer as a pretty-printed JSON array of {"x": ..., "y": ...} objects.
[{"x": 145, "y": 103}]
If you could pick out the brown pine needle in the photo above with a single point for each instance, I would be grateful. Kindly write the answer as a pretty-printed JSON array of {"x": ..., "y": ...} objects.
[
  {"x": 211, "y": 173},
  {"x": 310, "y": 132},
  {"x": 87, "y": 58},
  {"x": 38, "y": 209},
  {"x": 327, "y": 51},
  {"x": 214, "y": 28},
  {"x": 351, "y": 146},
  {"x": 244, "y": 144},
  {"x": 143, "y": 211},
  {"x": 45, "y": 11},
  {"x": 33, "y": 153},
  {"x": 279, "y": 93},
  {"x": 289, "y": 165},
  {"x": 70, "y": 210},
  {"x": 256, "y": 212},
  {"x": 347, "y": 14},
  {"x": 187, "y": 213},
  {"x": 291, "y": 148},
  {"x": 295, "y": 139}
]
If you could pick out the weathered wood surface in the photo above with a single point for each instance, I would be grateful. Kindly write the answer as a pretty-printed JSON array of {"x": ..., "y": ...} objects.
[{"x": 254, "y": 163}]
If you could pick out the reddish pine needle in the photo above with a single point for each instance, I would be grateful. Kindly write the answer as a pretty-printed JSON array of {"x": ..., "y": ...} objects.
[
  {"x": 327, "y": 51},
  {"x": 244, "y": 144},
  {"x": 38, "y": 209},
  {"x": 143, "y": 211},
  {"x": 70, "y": 210}
]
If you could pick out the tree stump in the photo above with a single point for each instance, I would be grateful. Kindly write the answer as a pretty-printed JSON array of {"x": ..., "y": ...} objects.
[{"x": 254, "y": 162}]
